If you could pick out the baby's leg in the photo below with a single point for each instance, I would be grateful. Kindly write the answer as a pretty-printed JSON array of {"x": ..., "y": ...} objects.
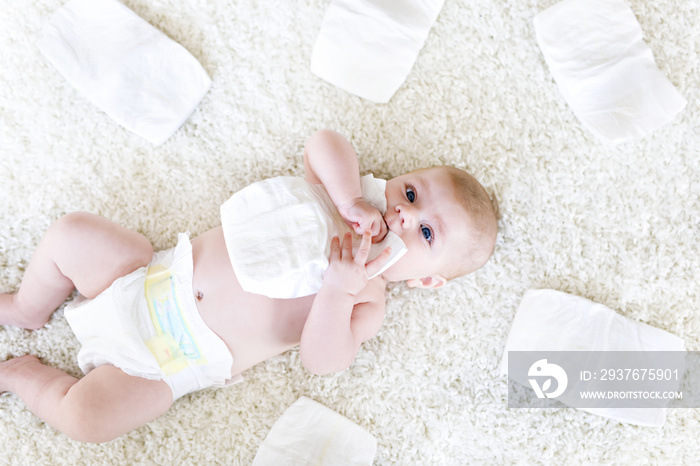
[
  {"x": 101, "y": 406},
  {"x": 79, "y": 250}
]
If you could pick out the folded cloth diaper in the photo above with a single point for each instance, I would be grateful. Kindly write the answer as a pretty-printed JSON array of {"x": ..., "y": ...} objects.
[
  {"x": 367, "y": 47},
  {"x": 145, "y": 81},
  {"x": 549, "y": 320},
  {"x": 278, "y": 234},
  {"x": 308, "y": 433},
  {"x": 605, "y": 71}
]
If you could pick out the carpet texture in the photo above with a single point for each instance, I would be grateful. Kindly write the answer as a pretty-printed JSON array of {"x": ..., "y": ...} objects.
[{"x": 617, "y": 225}]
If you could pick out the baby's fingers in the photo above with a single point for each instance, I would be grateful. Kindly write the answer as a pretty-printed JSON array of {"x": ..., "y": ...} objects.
[
  {"x": 346, "y": 251},
  {"x": 335, "y": 249},
  {"x": 358, "y": 228},
  {"x": 378, "y": 262},
  {"x": 363, "y": 251}
]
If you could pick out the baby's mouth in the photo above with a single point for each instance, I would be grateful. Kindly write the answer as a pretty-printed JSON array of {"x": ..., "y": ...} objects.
[{"x": 388, "y": 221}]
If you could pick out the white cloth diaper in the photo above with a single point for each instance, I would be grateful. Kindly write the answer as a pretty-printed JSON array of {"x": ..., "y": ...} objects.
[
  {"x": 368, "y": 47},
  {"x": 278, "y": 234},
  {"x": 144, "y": 80},
  {"x": 549, "y": 320},
  {"x": 607, "y": 74},
  {"x": 308, "y": 433}
]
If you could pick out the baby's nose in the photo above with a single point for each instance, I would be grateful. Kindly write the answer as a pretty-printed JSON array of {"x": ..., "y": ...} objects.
[{"x": 405, "y": 215}]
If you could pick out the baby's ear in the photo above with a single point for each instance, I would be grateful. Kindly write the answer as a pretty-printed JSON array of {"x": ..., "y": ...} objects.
[{"x": 431, "y": 282}]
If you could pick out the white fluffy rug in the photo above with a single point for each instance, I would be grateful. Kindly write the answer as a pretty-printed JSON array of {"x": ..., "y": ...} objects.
[{"x": 618, "y": 225}]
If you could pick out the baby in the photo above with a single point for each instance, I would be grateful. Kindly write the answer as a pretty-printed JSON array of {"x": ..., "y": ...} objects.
[{"x": 154, "y": 327}]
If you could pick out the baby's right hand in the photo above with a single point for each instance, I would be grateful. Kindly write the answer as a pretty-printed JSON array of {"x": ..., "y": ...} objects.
[
  {"x": 363, "y": 216},
  {"x": 348, "y": 273}
]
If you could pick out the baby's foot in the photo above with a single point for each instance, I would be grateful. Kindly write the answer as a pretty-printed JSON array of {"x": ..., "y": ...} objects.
[{"x": 11, "y": 365}]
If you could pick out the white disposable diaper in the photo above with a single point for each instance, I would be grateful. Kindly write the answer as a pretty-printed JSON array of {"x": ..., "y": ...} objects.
[
  {"x": 607, "y": 74},
  {"x": 367, "y": 47},
  {"x": 147, "y": 324},
  {"x": 308, "y": 433},
  {"x": 549, "y": 320},
  {"x": 278, "y": 234},
  {"x": 144, "y": 80}
]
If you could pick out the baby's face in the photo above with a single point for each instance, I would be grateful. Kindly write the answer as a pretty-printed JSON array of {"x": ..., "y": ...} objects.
[{"x": 423, "y": 211}]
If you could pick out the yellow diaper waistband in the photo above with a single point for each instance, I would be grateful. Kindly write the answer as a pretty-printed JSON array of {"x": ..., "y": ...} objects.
[{"x": 174, "y": 346}]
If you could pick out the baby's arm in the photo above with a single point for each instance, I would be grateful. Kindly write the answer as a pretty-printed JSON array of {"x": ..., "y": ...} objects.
[
  {"x": 330, "y": 160},
  {"x": 347, "y": 310}
]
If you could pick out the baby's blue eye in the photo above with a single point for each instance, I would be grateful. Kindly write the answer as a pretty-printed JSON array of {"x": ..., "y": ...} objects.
[
  {"x": 410, "y": 195},
  {"x": 427, "y": 234}
]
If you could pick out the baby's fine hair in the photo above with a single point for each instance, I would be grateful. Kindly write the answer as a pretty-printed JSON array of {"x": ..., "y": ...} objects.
[{"x": 483, "y": 212}]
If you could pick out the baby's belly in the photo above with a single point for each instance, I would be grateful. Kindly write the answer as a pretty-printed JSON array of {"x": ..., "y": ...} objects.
[{"x": 254, "y": 327}]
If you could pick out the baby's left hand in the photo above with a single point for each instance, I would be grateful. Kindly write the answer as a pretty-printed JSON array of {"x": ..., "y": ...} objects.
[
  {"x": 363, "y": 216},
  {"x": 350, "y": 274}
]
